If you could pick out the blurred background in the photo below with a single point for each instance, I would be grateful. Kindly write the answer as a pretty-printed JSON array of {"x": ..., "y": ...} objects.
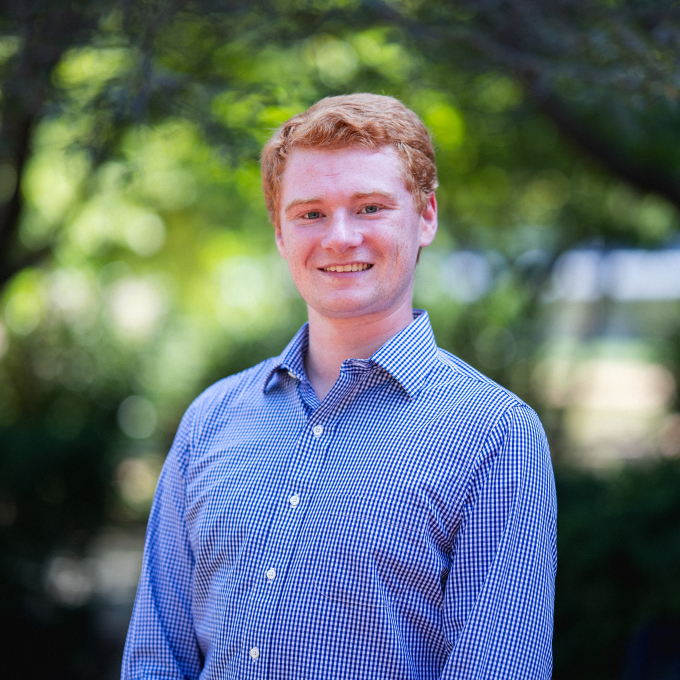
[{"x": 137, "y": 267}]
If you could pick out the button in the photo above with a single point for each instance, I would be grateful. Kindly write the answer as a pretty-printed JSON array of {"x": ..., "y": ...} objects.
[
  {"x": 292, "y": 375},
  {"x": 317, "y": 430},
  {"x": 294, "y": 500},
  {"x": 271, "y": 574},
  {"x": 254, "y": 653}
]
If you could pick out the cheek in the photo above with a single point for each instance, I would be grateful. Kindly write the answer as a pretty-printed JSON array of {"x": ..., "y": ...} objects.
[
  {"x": 297, "y": 255},
  {"x": 403, "y": 245}
]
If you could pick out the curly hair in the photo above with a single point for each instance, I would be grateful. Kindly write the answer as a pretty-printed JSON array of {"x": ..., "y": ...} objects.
[{"x": 363, "y": 119}]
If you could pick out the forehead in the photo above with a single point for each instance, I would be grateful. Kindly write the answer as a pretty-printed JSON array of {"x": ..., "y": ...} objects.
[{"x": 349, "y": 168}]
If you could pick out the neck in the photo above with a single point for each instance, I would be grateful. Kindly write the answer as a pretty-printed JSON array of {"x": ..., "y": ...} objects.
[{"x": 332, "y": 340}]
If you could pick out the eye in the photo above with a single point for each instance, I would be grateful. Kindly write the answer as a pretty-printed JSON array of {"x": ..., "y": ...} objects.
[
  {"x": 371, "y": 209},
  {"x": 312, "y": 215}
]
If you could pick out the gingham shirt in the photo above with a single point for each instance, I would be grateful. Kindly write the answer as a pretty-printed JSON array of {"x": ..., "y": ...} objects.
[{"x": 402, "y": 528}]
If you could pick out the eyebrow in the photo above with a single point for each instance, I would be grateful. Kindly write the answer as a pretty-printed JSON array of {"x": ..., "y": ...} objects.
[
  {"x": 377, "y": 192},
  {"x": 317, "y": 199},
  {"x": 302, "y": 201}
]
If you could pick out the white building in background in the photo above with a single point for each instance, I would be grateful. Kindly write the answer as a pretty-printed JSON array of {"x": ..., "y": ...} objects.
[
  {"x": 623, "y": 275},
  {"x": 612, "y": 312}
]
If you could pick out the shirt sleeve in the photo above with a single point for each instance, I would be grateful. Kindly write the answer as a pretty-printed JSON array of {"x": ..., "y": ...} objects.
[
  {"x": 161, "y": 642},
  {"x": 498, "y": 600}
]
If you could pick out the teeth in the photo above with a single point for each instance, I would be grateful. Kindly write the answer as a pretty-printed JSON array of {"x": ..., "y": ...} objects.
[{"x": 356, "y": 267}]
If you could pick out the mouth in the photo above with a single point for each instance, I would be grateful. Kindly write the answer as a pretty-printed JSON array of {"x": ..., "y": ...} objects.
[{"x": 353, "y": 267}]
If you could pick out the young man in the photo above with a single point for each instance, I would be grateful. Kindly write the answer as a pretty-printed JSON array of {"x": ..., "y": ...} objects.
[{"x": 365, "y": 505}]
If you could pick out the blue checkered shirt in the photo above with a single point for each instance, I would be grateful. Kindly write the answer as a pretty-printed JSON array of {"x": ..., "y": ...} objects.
[{"x": 403, "y": 528}]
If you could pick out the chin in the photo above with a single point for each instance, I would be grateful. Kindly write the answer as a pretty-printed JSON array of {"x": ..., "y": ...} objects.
[{"x": 342, "y": 309}]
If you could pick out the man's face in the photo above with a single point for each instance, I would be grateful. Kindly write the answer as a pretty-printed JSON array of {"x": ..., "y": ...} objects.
[{"x": 350, "y": 208}]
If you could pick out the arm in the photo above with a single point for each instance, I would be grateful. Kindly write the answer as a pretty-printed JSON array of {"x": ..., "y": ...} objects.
[
  {"x": 161, "y": 642},
  {"x": 498, "y": 603}
]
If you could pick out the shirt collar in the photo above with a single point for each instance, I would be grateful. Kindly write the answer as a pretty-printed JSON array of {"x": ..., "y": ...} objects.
[
  {"x": 408, "y": 357},
  {"x": 292, "y": 358}
]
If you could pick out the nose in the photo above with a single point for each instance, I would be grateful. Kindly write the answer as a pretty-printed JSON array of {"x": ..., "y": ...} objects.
[{"x": 341, "y": 234}]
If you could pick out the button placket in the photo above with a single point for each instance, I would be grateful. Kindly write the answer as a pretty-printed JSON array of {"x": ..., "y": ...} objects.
[{"x": 309, "y": 458}]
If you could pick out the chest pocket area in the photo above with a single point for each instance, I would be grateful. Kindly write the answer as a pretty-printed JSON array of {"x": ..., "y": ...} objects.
[
  {"x": 366, "y": 557},
  {"x": 220, "y": 507}
]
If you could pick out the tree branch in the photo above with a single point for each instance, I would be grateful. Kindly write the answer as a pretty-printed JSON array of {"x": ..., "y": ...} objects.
[
  {"x": 30, "y": 260},
  {"x": 15, "y": 141},
  {"x": 638, "y": 175}
]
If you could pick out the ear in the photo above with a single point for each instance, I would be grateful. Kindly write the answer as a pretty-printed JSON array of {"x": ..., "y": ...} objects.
[
  {"x": 428, "y": 221},
  {"x": 278, "y": 237}
]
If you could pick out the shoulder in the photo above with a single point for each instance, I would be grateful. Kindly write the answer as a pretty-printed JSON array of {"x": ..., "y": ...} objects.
[
  {"x": 235, "y": 392},
  {"x": 511, "y": 431},
  {"x": 474, "y": 392},
  {"x": 488, "y": 413}
]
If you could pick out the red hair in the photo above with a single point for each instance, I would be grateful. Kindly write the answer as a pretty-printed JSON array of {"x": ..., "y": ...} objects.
[{"x": 368, "y": 120}]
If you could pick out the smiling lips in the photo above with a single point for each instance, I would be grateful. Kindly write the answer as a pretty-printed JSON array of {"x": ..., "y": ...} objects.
[{"x": 354, "y": 267}]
